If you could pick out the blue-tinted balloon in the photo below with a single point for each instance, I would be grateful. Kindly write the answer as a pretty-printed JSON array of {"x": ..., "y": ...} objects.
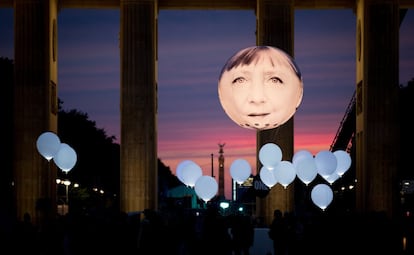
[{"x": 48, "y": 144}]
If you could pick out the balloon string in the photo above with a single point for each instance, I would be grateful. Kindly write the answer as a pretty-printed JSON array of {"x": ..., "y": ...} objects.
[{"x": 49, "y": 187}]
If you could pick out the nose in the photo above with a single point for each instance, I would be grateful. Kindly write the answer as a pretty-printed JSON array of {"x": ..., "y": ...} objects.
[{"x": 257, "y": 95}]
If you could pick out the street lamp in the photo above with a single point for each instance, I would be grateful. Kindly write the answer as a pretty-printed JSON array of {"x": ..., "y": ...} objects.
[
  {"x": 61, "y": 203},
  {"x": 67, "y": 183},
  {"x": 66, "y": 201},
  {"x": 224, "y": 205}
]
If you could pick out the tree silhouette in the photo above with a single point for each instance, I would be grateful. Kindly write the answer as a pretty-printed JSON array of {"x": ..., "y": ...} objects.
[{"x": 98, "y": 160}]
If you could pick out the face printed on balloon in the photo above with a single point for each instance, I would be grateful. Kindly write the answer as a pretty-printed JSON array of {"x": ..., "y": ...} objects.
[{"x": 260, "y": 87}]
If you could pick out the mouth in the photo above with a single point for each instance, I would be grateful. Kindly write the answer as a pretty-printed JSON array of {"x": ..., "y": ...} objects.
[
  {"x": 260, "y": 121},
  {"x": 258, "y": 114}
]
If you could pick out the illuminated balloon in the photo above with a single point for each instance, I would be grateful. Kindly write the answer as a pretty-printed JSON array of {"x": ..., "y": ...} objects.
[
  {"x": 190, "y": 173},
  {"x": 206, "y": 187},
  {"x": 48, "y": 144},
  {"x": 267, "y": 177},
  {"x": 240, "y": 170},
  {"x": 332, "y": 178},
  {"x": 270, "y": 155},
  {"x": 65, "y": 158},
  {"x": 306, "y": 170},
  {"x": 251, "y": 97},
  {"x": 325, "y": 163},
  {"x": 322, "y": 196},
  {"x": 179, "y": 169},
  {"x": 343, "y": 161},
  {"x": 284, "y": 173},
  {"x": 300, "y": 155}
]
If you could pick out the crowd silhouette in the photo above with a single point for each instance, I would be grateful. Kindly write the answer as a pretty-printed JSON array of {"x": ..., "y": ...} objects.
[{"x": 180, "y": 231}]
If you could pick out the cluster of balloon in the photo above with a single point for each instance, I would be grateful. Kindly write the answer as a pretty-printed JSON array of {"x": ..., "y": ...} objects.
[
  {"x": 50, "y": 147},
  {"x": 329, "y": 165},
  {"x": 275, "y": 170},
  {"x": 191, "y": 174}
]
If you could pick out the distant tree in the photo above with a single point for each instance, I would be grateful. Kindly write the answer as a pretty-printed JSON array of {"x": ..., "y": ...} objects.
[
  {"x": 166, "y": 181},
  {"x": 98, "y": 160},
  {"x": 98, "y": 157},
  {"x": 406, "y": 113}
]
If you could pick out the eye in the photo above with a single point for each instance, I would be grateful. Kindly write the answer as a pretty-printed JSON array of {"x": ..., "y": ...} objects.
[
  {"x": 275, "y": 80},
  {"x": 239, "y": 80}
]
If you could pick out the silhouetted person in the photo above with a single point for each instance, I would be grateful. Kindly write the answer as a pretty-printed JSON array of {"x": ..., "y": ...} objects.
[
  {"x": 294, "y": 235},
  {"x": 26, "y": 236},
  {"x": 259, "y": 222},
  {"x": 408, "y": 232},
  {"x": 215, "y": 235},
  {"x": 278, "y": 232},
  {"x": 151, "y": 234},
  {"x": 242, "y": 231}
]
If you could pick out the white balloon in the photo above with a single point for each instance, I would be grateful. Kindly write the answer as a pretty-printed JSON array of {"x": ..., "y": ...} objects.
[
  {"x": 179, "y": 169},
  {"x": 325, "y": 163},
  {"x": 343, "y": 161},
  {"x": 322, "y": 195},
  {"x": 190, "y": 173},
  {"x": 240, "y": 170},
  {"x": 270, "y": 155},
  {"x": 306, "y": 170},
  {"x": 48, "y": 144},
  {"x": 206, "y": 187},
  {"x": 300, "y": 155},
  {"x": 332, "y": 178},
  {"x": 65, "y": 158},
  {"x": 284, "y": 173},
  {"x": 267, "y": 177}
]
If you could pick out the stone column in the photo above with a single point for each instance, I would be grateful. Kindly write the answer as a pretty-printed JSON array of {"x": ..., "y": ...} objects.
[
  {"x": 35, "y": 107},
  {"x": 377, "y": 125},
  {"x": 138, "y": 105},
  {"x": 275, "y": 27}
]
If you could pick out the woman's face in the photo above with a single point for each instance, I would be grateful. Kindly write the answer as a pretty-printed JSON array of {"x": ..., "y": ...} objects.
[{"x": 262, "y": 95}]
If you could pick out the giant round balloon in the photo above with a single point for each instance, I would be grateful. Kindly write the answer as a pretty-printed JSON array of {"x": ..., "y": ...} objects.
[
  {"x": 65, "y": 158},
  {"x": 322, "y": 195},
  {"x": 206, "y": 187},
  {"x": 48, "y": 144},
  {"x": 240, "y": 170},
  {"x": 260, "y": 87}
]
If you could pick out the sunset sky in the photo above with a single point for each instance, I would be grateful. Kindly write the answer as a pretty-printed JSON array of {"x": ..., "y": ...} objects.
[{"x": 193, "y": 47}]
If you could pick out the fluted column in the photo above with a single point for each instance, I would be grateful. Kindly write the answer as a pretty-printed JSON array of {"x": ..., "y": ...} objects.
[
  {"x": 35, "y": 107},
  {"x": 377, "y": 125},
  {"x": 138, "y": 105},
  {"x": 275, "y": 27}
]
